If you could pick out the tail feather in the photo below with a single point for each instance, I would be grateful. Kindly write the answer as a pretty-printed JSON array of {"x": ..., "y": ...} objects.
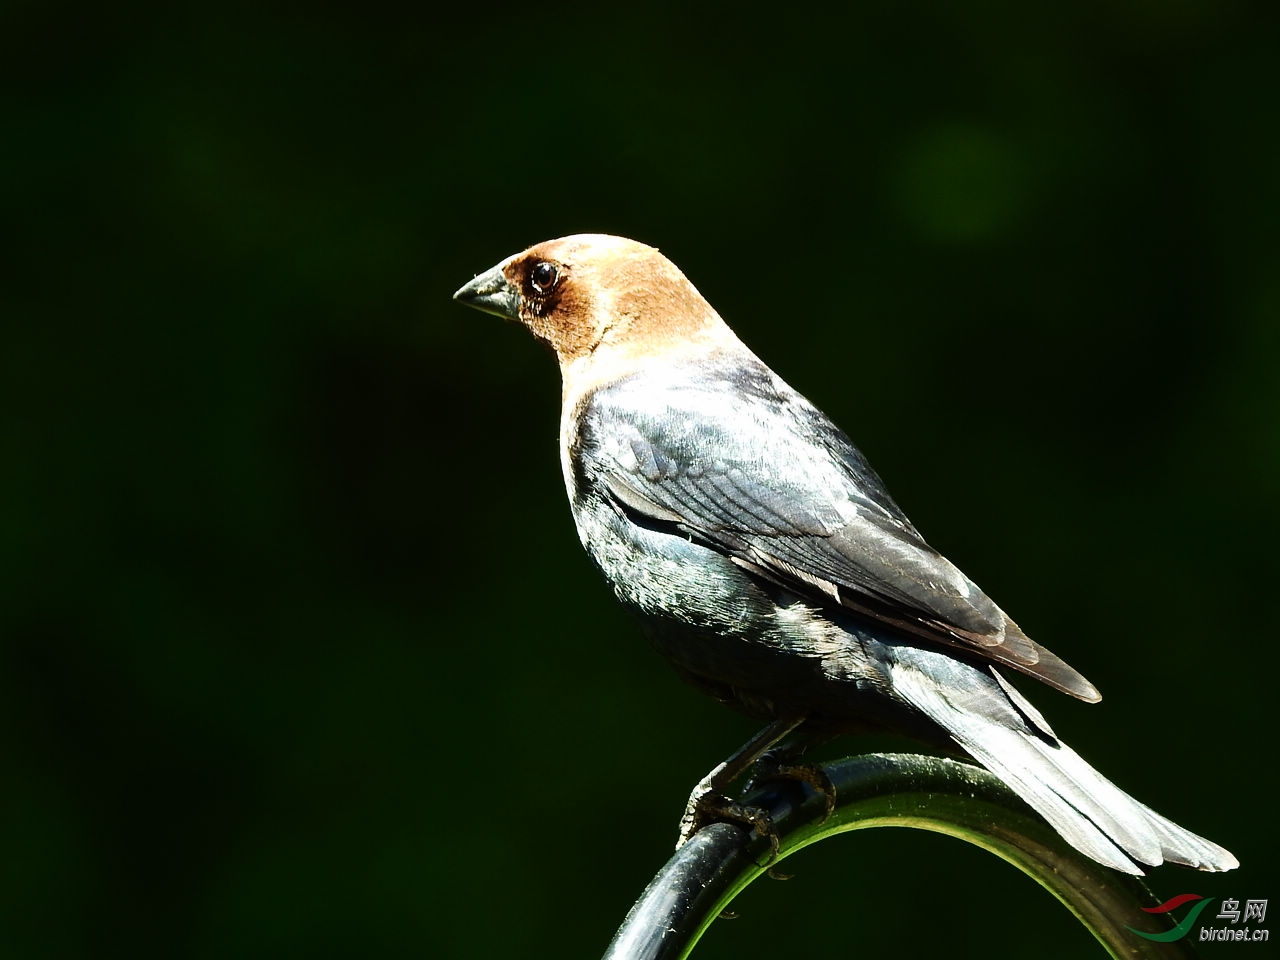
[
  {"x": 1002, "y": 731},
  {"x": 1182, "y": 846}
]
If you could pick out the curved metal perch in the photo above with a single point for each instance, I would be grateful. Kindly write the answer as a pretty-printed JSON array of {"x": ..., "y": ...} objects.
[{"x": 880, "y": 790}]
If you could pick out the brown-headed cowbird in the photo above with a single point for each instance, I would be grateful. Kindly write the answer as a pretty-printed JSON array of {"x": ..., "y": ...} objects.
[{"x": 764, "y": 556}]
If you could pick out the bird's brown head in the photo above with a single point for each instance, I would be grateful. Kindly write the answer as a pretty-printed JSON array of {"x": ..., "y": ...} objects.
[{"x": 589, "y": 291}]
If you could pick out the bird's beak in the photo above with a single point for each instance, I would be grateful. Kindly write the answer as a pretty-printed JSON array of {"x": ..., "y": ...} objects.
[{"x": 492, "y": 293}]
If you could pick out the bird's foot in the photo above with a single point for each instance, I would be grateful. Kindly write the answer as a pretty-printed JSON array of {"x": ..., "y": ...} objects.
[
  {"x": 707, "y": 803},
  {"x": 784, "y": 765},
  {"x": 706, "y": 806}
]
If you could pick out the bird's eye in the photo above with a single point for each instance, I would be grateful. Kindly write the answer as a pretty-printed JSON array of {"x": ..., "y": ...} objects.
[{"x": 543, "y": 276}]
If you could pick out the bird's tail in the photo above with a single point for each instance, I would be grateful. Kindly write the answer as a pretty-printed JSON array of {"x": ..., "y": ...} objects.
[{"x": 1000, "y": 729}]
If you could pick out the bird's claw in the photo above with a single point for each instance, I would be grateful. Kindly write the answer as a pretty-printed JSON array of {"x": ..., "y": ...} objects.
[
  {"x": 706, "y": 807},
  {"x": 774, "y": 767}
]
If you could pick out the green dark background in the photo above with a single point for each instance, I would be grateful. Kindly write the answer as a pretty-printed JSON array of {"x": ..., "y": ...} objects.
[{"x": 300, "y": 655}]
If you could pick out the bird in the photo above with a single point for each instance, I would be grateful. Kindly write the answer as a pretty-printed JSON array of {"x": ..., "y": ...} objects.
[{"x": 765, "y": 559}]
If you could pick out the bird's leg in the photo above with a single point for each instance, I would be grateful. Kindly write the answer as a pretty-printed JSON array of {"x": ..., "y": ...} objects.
[{"x": 706, "y": 803}]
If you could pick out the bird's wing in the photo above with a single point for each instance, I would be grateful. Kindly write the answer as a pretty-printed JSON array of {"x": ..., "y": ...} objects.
[{"x": 748, "y": 466}]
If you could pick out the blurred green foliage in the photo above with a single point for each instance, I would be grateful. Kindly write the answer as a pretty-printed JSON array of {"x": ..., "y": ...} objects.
[{"x": 299, "y": 654}]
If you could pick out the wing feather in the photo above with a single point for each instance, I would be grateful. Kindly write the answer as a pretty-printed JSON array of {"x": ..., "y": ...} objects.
[{"x": 777, "y": 487}]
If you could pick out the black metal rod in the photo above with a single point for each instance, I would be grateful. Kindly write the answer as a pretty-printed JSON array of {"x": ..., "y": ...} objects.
[{"x": 928, "y": 793}]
